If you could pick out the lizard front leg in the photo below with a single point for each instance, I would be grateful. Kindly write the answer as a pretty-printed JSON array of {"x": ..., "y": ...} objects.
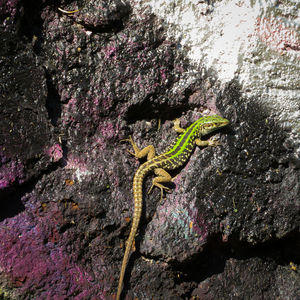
[
  {"x": 201, "y": 143},
  {"x": 148, "y": 151},
  {"x": 177, "y": 127}
]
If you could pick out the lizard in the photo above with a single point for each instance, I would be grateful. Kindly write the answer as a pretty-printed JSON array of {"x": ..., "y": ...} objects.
[{"x": 176, "y": 155}]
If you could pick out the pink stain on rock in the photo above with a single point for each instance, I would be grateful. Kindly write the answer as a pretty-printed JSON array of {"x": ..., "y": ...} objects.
[
  {"x": 107, "y": 130},
  {"x": 9, "y": 7},
  {"x": 163, "y": 74},
  {"x": 32, "y": 259},
  {"x": 55, "y": 152},
  {"x": 10, "y": 173},
  {"x": 198, "y": 224},
  {"x": 79, "y": 166},
  {"x": 110, "y": 51},
  {"x": 69, "y": 109},
  {"x": 75, "y": 162},
  {"x": 277, "y": 35}
]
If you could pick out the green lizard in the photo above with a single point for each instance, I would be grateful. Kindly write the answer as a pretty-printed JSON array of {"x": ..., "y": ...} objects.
[{"x": 173, "y": 157}]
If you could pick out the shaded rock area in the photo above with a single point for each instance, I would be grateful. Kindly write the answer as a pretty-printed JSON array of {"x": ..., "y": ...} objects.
[{"x": 72, "y": 86}]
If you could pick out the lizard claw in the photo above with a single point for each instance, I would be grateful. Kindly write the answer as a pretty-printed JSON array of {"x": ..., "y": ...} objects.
[
  {"x": 130, "y": 152},
  {"x": 161, "y": 187},
  {"x": 130, "y": 140},
  {"x": 127, "y": 140},
  {"x": 214, "y": 143}
]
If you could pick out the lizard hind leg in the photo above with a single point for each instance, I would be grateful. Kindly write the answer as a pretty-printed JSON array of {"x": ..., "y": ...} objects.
[
  {"x": 162, "y": 176},
  {"x": 148, "y": 151}
]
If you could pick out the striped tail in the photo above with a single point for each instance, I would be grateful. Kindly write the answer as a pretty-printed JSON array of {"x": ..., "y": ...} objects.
[{"x": 138, "y": 199}]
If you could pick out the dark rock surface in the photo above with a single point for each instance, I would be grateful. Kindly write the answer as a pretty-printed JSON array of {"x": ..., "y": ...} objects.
[{"x": 71, "y": 87}]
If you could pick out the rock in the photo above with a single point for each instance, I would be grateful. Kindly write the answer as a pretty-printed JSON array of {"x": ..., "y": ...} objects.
[{"x": 72, "y": 86}]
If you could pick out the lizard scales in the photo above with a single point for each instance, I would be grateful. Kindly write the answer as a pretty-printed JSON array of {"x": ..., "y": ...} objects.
[{"x": 173, "y": 157}]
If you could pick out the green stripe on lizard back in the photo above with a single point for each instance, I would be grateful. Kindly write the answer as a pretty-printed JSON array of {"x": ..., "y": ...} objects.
[{"x": 180, "y": 150}]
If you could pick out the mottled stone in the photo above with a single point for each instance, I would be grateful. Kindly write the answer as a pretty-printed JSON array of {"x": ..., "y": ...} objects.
[{"x": 72, "y": 86}]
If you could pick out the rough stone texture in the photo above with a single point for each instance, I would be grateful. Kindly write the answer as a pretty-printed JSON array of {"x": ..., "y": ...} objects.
[{"x": 73, "y": 85}]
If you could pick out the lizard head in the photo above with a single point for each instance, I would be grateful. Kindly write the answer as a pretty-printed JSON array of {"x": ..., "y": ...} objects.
[{"x": 209, "y": 124}]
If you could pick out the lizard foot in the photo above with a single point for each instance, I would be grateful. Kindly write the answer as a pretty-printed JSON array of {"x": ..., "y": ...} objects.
[{"x": 162, "y": 188}]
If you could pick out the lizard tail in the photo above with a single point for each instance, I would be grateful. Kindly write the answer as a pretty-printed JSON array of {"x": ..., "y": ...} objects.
[{"x": 138, "y": 197}]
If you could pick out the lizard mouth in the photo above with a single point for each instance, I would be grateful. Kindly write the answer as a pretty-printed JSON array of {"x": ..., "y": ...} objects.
[{"x": 224, "y": 123}]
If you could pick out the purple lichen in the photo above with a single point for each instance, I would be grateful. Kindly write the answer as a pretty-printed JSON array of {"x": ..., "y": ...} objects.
[
  {"x": 54, "y": 152},
  {"x": 8, "y": 8},
  {"x": 34, "y": 256},
  {"x": 11, "y": 172}
]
